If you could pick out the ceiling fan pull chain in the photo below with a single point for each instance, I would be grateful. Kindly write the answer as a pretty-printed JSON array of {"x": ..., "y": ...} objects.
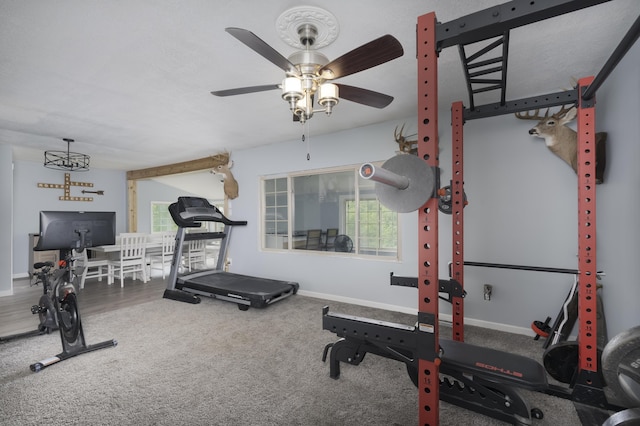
[{"x": 308, "y": 142}]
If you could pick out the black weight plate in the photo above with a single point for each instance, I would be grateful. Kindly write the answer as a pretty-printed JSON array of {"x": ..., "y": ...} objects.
[
  {"x": 561, "y": 360},
  {"x": 629, "y": 417},
  {"x": 621, "y": 365},
  {"x": 445, "y": 201}
]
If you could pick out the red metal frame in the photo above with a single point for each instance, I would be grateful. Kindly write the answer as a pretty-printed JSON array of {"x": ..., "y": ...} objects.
[
  {"x": 457, "y": 215},
  {"x": 428, "y": 364},
  {"x": 428, "y": 374},
  {"x": 587, "y": 333}
]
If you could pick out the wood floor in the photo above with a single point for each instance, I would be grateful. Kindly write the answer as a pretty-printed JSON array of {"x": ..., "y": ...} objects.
[{"x": 96, "y": 297}]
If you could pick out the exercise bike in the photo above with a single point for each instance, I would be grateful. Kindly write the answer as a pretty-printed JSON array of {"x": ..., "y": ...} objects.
[
  {"x": 65, "y": 306},
  {"x": 45, "y": 307},
  {"x": 58, "y": 310}
]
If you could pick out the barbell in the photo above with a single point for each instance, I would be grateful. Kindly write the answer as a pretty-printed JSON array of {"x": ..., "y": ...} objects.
[{"x": 403, "y": 184}]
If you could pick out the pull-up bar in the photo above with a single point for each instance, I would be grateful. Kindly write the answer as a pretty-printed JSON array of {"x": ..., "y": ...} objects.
[{"x": 526, "y": 268}]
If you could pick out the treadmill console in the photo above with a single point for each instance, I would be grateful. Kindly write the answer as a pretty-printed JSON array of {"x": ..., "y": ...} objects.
[
  {"x": 197, "y": 209},
  {"x": 188, "y": 212}
]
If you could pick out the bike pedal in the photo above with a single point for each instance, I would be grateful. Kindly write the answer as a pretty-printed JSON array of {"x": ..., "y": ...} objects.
[{"x": 37, "y": 309}]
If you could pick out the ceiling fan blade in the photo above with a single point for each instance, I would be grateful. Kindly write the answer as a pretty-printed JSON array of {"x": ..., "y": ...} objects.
[
  {"x": 367, "y": 56},
  {"x": 263, "y": 49},
  {"x": 243, "y": 90},
  {"x": 364, "y": 96}
]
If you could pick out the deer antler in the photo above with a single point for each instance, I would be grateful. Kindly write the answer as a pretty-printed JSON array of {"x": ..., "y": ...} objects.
[
  {"x": 527, "y": 115},
  {"x": 535, "y": 116},
  {"x": 397, "y": 135},
  {"x": 562, "y": 112}
]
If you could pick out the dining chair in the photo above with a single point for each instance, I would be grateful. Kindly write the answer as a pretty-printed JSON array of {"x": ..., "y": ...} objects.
[
  {"x": 314, "y": 239},
  {"x": 160, "y": 259},
  {"x": 91, "y": 268},
  {"x": 132, "y": 258},
  {"x": 195, "y": 254},
  {"x": 330, "y": 238}
]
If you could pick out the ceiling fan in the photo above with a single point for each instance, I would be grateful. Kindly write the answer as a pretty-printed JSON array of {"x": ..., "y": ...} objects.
[{"x": 309, "y": 74}]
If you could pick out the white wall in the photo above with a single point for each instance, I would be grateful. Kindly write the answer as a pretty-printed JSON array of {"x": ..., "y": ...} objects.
[{"x": 522, "y": 210}]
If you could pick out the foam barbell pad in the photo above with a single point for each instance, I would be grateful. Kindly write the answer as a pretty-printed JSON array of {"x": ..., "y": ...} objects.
[{"x": 422, "y": 182}]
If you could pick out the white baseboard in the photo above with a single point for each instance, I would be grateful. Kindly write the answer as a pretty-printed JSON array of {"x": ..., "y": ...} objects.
[
  {"x": 360, "y": 302},
  {"x": 6, "y": 293},
  {"x": 446, "y": 318},
  {"x": 21, "y": 275}
]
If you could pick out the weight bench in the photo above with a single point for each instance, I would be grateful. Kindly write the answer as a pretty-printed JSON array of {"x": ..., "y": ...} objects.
[{"x": 473, "y": 377}]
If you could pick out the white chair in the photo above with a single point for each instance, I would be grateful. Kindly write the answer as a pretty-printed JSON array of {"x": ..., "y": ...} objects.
[
  {"x": 91, "y": 268},
  {"x": 160, "y": 259},
  {"x": 132, "y": 258},
  {"x": 196, "y": 254},
  {"x": 213, "y": 252}
]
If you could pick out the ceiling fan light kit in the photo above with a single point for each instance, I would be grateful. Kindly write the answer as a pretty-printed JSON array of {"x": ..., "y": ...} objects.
[{"x": 308, "y": 73}]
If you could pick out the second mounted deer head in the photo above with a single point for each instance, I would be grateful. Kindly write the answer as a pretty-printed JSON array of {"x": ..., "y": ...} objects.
[
  {"x": 563, "y": 140},
  {"x": 406, "y": 145},
  {"x": 230, "y": 184}
]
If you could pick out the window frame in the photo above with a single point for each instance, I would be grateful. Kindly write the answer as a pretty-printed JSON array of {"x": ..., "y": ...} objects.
[
  {"x": 262, "y": 228},
  {"x": 205, "y": 226},
  {"x": 152, "y": 220}
]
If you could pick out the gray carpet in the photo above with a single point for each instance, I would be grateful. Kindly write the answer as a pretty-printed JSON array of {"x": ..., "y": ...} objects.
[{"x": 212, "y": 364}]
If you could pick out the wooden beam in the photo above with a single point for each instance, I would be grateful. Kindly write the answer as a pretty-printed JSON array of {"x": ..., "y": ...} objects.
[
  {"x": 132, "y": 202},
  {"x": 176, "y": 168},
  {"x": 171, "y": 169}
]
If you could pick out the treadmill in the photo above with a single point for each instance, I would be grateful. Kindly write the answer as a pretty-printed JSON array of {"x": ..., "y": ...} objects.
[{"x": 246, "y": 291}]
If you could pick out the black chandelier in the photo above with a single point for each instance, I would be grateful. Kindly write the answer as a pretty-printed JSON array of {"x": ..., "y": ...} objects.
[{"x": 66, "y": 160}]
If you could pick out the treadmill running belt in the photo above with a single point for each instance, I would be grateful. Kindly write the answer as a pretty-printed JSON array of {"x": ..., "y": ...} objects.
[{"x": 258, "y": 291}]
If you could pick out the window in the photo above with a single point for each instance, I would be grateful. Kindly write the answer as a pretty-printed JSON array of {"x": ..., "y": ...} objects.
[
  {"x": 298, "y": 207},
  {"x": 161, "y": 220},
  {"x": 276, "y": 223}
]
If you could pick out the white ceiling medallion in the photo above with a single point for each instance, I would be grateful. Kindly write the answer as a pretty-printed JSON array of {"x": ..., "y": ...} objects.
[{"x": 290, "y": 21}]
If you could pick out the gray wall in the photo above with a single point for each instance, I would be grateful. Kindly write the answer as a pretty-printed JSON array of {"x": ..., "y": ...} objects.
[
  {"x": 522, "y": 210},
  {"x": 29, "y": 200},
  {"x": 6, "y": 218}
]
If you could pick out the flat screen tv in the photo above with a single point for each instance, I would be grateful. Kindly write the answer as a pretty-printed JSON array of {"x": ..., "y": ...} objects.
[{"x": 76, "y": 230}]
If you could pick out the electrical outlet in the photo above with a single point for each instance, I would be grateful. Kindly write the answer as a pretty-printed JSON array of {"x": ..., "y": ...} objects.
[{"x": 488, "y": 289}]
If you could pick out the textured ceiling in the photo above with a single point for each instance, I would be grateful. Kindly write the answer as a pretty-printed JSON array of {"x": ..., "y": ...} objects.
[{"x": 130, "y": 81}]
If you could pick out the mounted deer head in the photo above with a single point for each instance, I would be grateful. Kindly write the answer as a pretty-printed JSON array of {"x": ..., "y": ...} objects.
[
  {"x": 562, "y": 140},
  {"x": 406, "y": 146},
  {"x": 230, "y": 185}
]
